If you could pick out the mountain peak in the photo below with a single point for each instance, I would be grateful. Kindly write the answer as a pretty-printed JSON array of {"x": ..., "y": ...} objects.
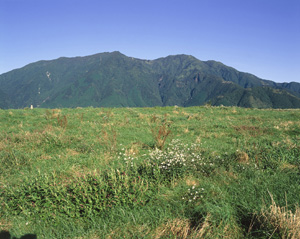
[{"x": 111, "y": 79}]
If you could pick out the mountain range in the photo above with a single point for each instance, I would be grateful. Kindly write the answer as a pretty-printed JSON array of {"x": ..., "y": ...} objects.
[{"x": 115, "y": 80}]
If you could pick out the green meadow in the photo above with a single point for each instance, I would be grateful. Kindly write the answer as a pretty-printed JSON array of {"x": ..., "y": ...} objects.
[{"x": 162, "y": 172}]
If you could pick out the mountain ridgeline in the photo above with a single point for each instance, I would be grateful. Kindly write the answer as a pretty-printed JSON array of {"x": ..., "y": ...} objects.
[{"x": 115, "y": 80}]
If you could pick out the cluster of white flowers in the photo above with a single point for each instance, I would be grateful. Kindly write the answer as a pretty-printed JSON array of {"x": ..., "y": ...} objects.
[
  {"x": 193, "y": 194},
  {"x": 240, "y": 167},
  {"x": 176, "y": 155},
  {"x": 129, "y": 158}
]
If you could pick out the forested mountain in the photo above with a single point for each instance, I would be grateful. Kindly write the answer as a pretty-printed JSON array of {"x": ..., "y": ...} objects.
[{"x": 115, "y": 80}]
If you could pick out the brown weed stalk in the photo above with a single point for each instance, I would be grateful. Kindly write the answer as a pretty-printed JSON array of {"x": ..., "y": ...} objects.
[
  {"x": 160, "y": 134},
  {"x": 62, "y": 121}
]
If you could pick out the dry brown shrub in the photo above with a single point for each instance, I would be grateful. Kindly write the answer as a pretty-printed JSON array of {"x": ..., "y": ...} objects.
[
  {"x": 191, "y": 117},
  {"x": 242, "y": 157},
  {"x": 71, "y": 152},
  {"x": 249, "y": 130},
  {"x": 286, "y": 124},
  {"x": 287, "y": 166},
  {"x": 191, "y": 181},
  {"x": 183, "y": 229},
  {"x": 5, "y": 225},
  {"x": 161, "y": 132},
  {"x": 185, "y": 113},
  {"x": 281, "y": 220},
  {"x": 133, "y": 150},
  {"x": 52, "y": 114},
  {"x": 141, "y": 116},
  {"x": 62, "y": 121},
  {"x": 204, "y": 229},
  {"x": 198, "y": 140},
  {"x": 180, "y": 228}
]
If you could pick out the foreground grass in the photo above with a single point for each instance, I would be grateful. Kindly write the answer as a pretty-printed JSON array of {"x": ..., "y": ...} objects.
[{"x": 198, "y": 172}]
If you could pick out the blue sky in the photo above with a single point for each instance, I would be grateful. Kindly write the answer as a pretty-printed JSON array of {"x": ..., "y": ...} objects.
[{"x": 261, "y": 37}]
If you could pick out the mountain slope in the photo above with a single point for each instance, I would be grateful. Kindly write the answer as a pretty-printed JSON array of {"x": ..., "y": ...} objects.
[
  {"x": 4, "y": 102},
  {"x": 115, "y": 80}
]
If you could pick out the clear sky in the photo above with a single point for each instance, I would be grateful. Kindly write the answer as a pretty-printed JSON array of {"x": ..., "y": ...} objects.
[{"x": 261, "y": 37}]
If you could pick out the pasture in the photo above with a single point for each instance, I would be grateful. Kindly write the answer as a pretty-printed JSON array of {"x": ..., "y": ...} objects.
[{"x": 162, "y": 172}]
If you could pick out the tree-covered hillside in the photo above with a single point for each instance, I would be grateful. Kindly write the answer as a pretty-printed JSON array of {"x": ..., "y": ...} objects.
[{"x": 115, "y": 80}]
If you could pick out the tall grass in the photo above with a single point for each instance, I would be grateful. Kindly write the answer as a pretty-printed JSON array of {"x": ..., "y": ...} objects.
[
  {"x": 199, "y": 172},
  {"x": 281, "y": 220}
]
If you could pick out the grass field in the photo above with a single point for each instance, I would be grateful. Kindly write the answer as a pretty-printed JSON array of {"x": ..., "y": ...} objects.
[{"x": 172, "y": 172}]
